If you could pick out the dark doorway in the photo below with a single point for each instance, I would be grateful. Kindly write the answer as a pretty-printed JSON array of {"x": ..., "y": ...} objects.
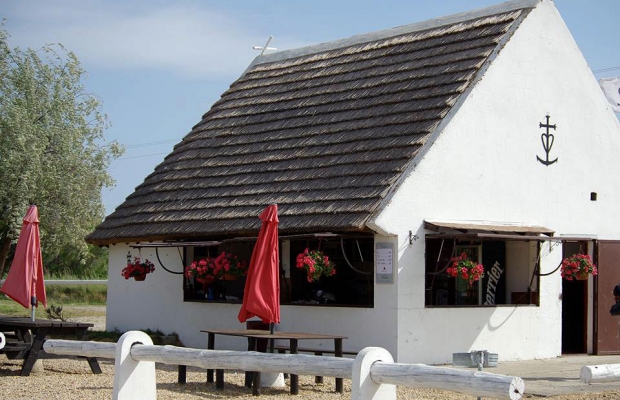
[{"x": 574, "y": 306}]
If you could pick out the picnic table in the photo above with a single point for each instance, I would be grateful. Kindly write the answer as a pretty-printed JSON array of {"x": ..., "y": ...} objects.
[
  {"x": 254, "y": 335},
  {"x": 25, "y": 338}
]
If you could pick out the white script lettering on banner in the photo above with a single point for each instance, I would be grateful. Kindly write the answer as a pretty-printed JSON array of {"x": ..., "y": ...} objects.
[{"x": 494, "y": 275}]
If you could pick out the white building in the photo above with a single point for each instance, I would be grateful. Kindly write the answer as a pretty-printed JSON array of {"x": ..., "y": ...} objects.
[{"x": 482, "y": 131}]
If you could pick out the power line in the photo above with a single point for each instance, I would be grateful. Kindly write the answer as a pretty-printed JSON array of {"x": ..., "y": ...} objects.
[
  {"x": 146, "y": 144},
  {"x": 133, "y": 146},
  {"x": 606, "y": 69},
  {"x": 141, "y": 156}
]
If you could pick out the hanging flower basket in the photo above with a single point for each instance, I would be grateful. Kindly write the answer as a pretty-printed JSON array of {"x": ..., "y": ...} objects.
[
  {"x": 202, "y": 271},
  {"x": 226, "y": 266},
  {"x": 137, "y": 269},
  {"x": 316, "y": 264},
  {"x": 578, "y": 266},
  {"x": 582, "y": 276},
  {"x": 466, "y": 269},
  {"x": 230, "y": 267}
]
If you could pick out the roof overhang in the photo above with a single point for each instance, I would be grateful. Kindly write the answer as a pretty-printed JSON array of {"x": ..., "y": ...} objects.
[
  {"x": 207, "y": 243},
  {"x": 466, "y": 230}
]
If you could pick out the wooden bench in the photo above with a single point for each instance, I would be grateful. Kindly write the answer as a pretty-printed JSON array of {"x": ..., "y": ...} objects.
[
  {"x": 257, "y": 335},
  {"x": 317, "y": 352},
  {"x": 15, "y": 347}
]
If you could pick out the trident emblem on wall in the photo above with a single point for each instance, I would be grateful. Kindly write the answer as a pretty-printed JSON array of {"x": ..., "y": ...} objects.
[{"x": 547, "y": 142}]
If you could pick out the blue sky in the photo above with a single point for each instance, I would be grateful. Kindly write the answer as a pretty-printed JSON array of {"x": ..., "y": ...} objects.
[{"x": 158, "y": 65}]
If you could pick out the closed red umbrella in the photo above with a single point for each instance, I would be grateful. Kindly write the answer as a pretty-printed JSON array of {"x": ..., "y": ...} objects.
[
  {"x": 261, "y": 295},
  {"x": 24, "y": 283}
]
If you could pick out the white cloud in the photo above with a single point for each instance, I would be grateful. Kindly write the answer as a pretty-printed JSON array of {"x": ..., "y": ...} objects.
[{"x": 184, "y": 38}]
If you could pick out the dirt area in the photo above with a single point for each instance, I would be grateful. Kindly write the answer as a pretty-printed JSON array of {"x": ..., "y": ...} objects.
[
  {"x": 90, "y": 314},
  {"x": 71, "y": 378}
]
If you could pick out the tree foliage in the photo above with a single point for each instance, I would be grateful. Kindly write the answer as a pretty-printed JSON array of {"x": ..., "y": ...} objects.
[
  {"x": 52, "y": 149},
  {"x": 71, "y": 264}
]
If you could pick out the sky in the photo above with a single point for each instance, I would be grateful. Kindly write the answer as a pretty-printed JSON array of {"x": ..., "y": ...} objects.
[{"x": 158, "y": 65}]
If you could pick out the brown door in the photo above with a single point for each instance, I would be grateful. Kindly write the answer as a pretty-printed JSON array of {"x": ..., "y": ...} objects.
[{"x": 607, "y": 328}]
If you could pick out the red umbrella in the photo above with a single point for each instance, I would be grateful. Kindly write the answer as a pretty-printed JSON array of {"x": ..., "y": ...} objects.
[
  {"x": 25, "y": 279},
  {"x": 261, "y": 295}
]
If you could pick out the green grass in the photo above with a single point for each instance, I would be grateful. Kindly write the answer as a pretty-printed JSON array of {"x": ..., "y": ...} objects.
[
  {"x": 60, "y": 296},
  {"x": 74, "y": 301},
  {"x": 83, "y": 294}
]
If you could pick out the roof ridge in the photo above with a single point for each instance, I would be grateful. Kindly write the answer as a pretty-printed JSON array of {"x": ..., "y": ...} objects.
[{"x": 433, "y": 23}]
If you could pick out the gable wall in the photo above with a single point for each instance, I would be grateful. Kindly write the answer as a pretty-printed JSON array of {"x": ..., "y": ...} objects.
[{"x": 483, "y": 167}]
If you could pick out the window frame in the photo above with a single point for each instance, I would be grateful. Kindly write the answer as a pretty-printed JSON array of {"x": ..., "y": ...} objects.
[{"x": 441, "y": 290}]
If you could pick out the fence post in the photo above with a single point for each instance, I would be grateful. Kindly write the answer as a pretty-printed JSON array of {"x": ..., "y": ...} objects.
[
  {"x": 362, "y": 386},
  {"x": 133, "y": 379}
]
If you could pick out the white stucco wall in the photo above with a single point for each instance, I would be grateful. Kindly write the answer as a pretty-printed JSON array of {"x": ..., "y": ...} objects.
[
  {"x": 483, "y": 167},
  {"x": 157, "y": 303}
]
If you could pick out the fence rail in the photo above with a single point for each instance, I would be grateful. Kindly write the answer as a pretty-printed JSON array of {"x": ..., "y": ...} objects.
[{"x": 373, "y": 373}]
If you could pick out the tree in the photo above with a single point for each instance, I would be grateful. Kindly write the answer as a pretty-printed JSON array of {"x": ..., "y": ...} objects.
[{"x": 52, "y": 149}]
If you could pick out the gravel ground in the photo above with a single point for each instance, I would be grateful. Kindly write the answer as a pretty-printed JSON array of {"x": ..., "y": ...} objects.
[
  {"x": 69, "y": 379},
  {"x": 72, "y": 379}
]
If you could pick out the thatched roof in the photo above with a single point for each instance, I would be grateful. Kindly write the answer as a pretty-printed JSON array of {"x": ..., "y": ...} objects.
[{"x": 326, "y": 132}]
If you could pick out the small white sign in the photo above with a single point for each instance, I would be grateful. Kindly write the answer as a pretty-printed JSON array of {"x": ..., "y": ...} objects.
[{"x": 384, "y": 262}]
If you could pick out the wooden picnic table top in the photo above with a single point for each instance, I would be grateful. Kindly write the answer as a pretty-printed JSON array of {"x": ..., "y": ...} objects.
[
  {"x": 263, "y": 334},
  {"x": 9, "y": 322}
]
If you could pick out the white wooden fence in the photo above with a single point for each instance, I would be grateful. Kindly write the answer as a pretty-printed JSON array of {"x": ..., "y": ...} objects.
[
  {"x": 600, "y": 373},
  {"x": 373, "y": 373}
]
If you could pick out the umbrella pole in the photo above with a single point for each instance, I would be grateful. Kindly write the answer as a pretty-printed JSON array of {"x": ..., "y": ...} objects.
[
  {"x": 272, "y": 329},
  {"x": 33, "y": 302}
]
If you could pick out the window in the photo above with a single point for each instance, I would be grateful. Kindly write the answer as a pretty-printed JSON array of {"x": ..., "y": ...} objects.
[
  {"x": 352, "y": 285},
  {"x": 509, "y": 266},
  {"x": 221, "y": 289}
]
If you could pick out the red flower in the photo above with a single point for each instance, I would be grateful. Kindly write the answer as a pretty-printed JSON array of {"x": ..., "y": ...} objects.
[
  {"x": 227, "y": 263},
  {"x": 577, "y": 264},
  {"x": 208, "y": 270},
  {"x": 464, "y": 268},
  {"x": 316, "y": 264},
  {"x": 137, "y": 268}
]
